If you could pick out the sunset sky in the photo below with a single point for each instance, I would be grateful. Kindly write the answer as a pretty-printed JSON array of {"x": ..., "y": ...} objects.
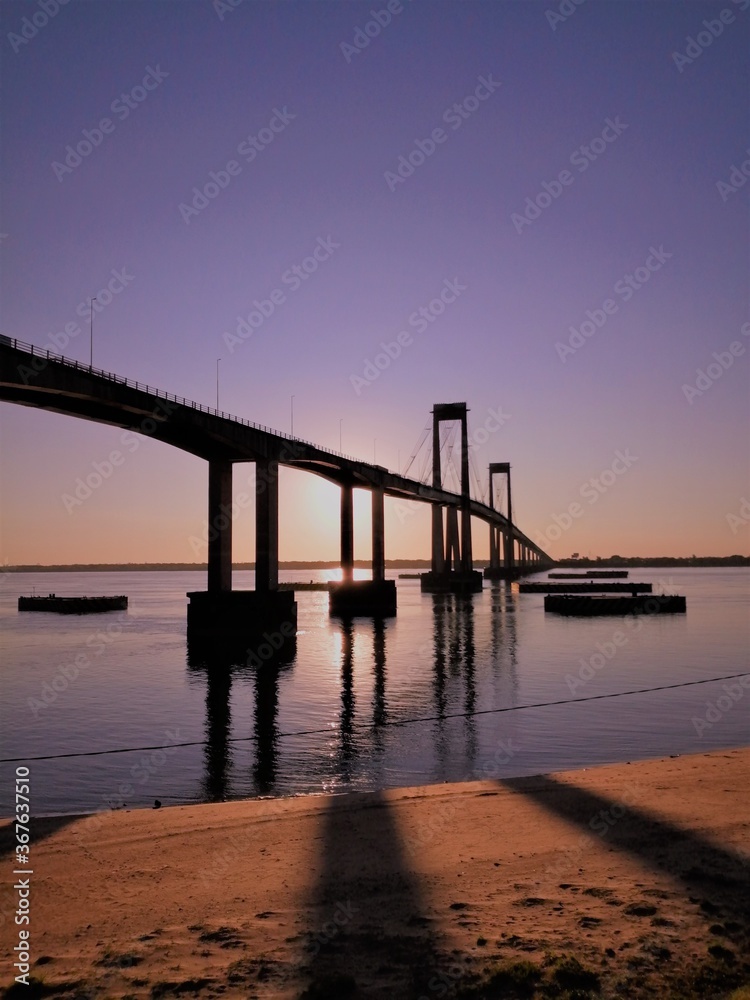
[{"x": 574, "y": 185}]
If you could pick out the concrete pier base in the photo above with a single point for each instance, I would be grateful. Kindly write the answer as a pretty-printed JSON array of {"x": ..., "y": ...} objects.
[
  {"x": 258, "y": 618},
  {"x": 451, "y": 582},
  {"x": 502, "y": 573},
  {"x": 368, "y": 598}
]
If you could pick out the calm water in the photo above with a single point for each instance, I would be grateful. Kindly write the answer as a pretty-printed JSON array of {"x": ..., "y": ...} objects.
[{"x": 357, "y": 686}]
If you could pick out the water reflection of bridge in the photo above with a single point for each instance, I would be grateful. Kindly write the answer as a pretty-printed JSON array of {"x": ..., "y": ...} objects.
[{"x": 471, "y": 665}]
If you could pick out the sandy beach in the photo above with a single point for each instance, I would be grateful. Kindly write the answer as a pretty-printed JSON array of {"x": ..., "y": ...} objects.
[{"x": 629, "y": 880}]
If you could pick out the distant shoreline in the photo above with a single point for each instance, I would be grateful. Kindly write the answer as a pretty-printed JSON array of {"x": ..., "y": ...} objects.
[{"x": 657, "y": 561}]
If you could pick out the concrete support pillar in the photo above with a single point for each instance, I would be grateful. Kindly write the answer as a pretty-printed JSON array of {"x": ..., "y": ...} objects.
[
  {"x": 438, "y": 560},
  {"x": 510, "y": 550},
  {"x": 467, "y": 564},
  {"x": 510, "y": 544},
  {"x": 266, "y": 525},
  {"x": 494, "y": 547},
  {"x": 452, "y": 544},
  {"x": 347, "y": 534},
  {"x": 219, "y": 525},
  {"x": 378, "y": 534},
  {"x": 438, "y": 556}
]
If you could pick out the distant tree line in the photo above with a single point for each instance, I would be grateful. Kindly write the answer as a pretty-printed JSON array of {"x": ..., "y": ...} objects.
[{"x": 573, "y": 562}]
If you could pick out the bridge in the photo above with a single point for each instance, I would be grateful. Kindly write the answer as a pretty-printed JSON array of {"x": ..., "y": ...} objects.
[{"x": 31, "y": 376}]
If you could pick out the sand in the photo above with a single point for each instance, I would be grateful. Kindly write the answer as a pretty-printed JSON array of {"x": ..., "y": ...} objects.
[{"x": 628, "y": 880}]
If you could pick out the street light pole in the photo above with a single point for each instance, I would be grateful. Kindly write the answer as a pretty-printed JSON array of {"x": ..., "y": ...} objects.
[
  {"x": 291, "y": 403},
  {"x": 217, "y": 382},
  {"x": 91, "y": 320},
  {"x": 341, "y": 420}
]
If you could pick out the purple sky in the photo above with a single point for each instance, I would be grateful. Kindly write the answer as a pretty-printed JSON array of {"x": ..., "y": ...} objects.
[{"x": 491, "y": 102}]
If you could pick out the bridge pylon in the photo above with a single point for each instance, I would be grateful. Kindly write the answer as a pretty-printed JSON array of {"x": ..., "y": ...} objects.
[
  {"x": 452, "y": 569},
  {"x": 503, "y": 564},
  {"x": 263, "y": 620},
  {"x": 364, "y": 598}
]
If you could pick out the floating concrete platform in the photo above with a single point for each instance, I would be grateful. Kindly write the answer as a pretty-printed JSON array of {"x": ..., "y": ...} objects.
[
  {"x": 246, "y": 615},
  {"x": 585, "y": 587},
  {"x": 73, "y": 605},
  {"x": 663, "y": 604},
  {"x": 599, "y": 574},
  {"x": 363, "y": 598},
  {"x": 451, "y": 583}
]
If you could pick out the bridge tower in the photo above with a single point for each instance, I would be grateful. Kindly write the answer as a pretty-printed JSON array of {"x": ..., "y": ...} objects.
[
  {"x": 452, "y": 567},
  {"x": 502, "y": 543}
]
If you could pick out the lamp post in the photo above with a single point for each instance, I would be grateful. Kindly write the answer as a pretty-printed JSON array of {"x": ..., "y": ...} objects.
[
  {"x": 341, "y": 420},
  {"x": 91, "y": 322},
  {"x": 217, "y": 382},
  {"x": 291, "y": 405}
]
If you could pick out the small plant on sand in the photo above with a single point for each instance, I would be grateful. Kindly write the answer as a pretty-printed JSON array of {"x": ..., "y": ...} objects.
[
  {"x": 119, "y": 960},
  {"x": 517, "y": 980}
]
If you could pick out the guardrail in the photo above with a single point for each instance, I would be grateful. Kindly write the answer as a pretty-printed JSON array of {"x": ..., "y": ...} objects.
[
  {"x": 161, "y": 394},
  {"x": 192, "y": 404}
]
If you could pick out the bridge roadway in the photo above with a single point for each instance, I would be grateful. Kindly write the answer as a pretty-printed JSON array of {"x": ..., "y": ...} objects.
[{"x": 31, "y": 376}]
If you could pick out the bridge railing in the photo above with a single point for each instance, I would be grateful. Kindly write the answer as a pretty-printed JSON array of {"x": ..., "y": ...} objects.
[
  {"x": 191, "y": 403},
  {"x": 161, "y": 394}
]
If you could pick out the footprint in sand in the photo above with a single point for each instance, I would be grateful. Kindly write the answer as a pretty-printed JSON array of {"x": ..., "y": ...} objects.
[{"x": 640, "y": 910}]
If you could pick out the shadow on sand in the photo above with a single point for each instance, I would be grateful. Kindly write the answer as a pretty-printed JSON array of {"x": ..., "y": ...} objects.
[
  {"x": 40, "y": 827},
  {"x": 369, "y": 933},
  {"x": 716, "y": 878}
]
